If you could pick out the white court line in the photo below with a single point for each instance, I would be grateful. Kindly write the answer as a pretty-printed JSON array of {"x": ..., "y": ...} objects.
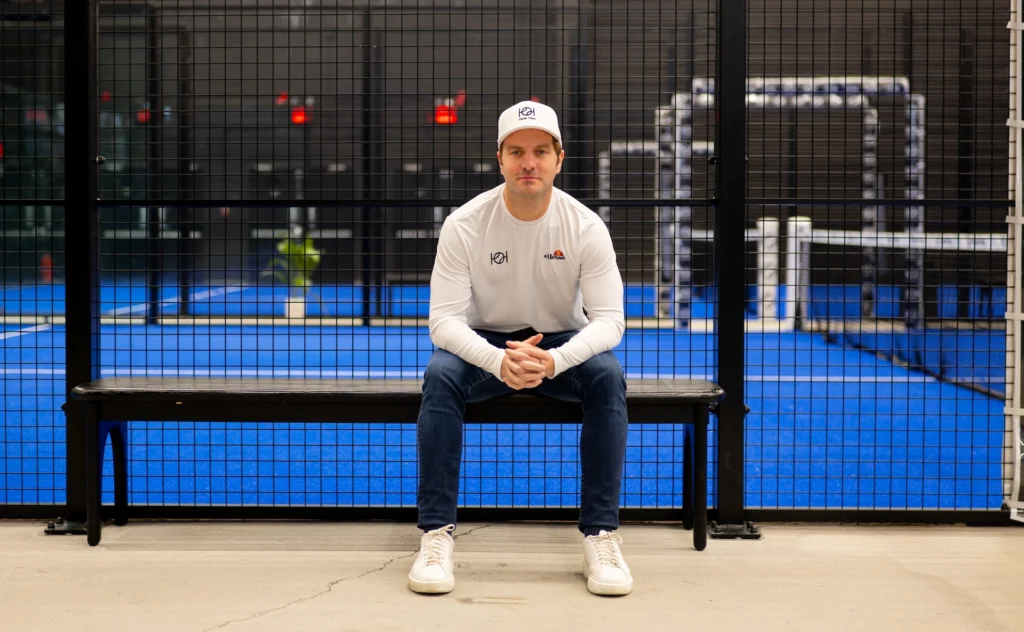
[
  {"x": 281, "y": 372},
  {"x": 126, "y": 310},
  {"x": 863, "y": 379},
  {"x": 175, "y": 299},
  {"x": 415, "y": 374},
  {"x": 28, "y": 371},
  {"x": 21, "y": 332}
]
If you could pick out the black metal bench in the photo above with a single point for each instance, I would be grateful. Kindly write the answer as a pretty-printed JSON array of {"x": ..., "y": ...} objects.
[{"x": 112, "y": 401}]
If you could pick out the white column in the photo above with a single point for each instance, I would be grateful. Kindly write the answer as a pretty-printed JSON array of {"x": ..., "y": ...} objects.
[
  {"x": 665, "y": 255},
  {"x": 913, "y": 148},
  {"x": 768, "y": 269},
  {"x": 798, "y": 237},
  {"x": 870, "y": 213},
  {"x": 683, "y": 215},
  {"x": 604, "y": 185}
]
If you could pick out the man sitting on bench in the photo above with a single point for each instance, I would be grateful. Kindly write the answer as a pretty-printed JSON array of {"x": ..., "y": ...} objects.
[{"x": 522, "y": 258}]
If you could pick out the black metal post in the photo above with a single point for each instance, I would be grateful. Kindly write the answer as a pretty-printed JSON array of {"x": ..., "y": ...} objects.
[
  {"x": 913, "y": 297},
  {"x": 187, "y": 168},
  {"x": 154, "y": 244},
  {"x": 867, "y": 53},
  {"x": 965, "y": 168},
  {"x": 380, "y": 170},
  {"x": 82, "y": 252},
  {"x": 730, "y": 221},
  {"x": 691, "y": 41},
  {"x": 570, "y": 124},
  {"x": 671, "y": 73},
  {"x": 578, "y": 182},
  {"x": 367, "y": 225},
  {"x": 791, "y": 162}
]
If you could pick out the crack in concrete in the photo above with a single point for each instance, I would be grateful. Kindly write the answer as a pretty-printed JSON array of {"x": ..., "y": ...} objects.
[
  {"x": 332, "y": 584},
  {"x": 330, "y": 587},
  {"x": 462, "y": 535}
]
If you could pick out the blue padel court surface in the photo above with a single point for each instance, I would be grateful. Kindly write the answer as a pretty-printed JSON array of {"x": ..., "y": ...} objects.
[
  {"x": 830, "y": 426},
  {"x": 130, "y": 299}
]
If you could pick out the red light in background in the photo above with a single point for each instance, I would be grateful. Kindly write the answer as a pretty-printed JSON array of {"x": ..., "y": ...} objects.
[
  {"x": 1, "y": 151},
  {"x": 143, "y": 116},
  {"x": 282, "y": 98},
  {"x": 105, "y": 96},
  {"x": 299, "y": 115},
  {"x": 535, "y": 99},
  {"x": 35, "y": 116},
  {"x": 445, "y": 115},
  {"x": 460, "y": 99}
]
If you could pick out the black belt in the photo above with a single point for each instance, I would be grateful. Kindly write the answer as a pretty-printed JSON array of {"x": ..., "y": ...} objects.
[{"x": 522, "y": 334}]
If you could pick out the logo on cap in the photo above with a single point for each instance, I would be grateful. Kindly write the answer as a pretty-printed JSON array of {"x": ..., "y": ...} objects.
[{"x": 526, "y": 112}]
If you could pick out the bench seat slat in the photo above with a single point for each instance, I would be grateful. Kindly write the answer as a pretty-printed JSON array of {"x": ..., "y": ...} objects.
[{"x": 355, "y": 390}]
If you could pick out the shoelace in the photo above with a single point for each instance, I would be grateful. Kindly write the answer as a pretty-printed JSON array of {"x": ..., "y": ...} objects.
[
  {"x": 435, "y": 546},
  {"x": 607, "y": 549}
]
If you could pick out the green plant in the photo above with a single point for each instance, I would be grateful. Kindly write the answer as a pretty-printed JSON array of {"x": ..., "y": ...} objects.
[{"x": 296, "y": 264}]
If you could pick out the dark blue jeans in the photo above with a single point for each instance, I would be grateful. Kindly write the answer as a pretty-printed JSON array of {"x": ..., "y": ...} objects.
[{"x": 450, "y": 383}]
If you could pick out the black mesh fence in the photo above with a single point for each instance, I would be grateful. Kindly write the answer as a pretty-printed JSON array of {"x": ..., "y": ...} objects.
[
  {"x": 32, "y": 437},
  {"x": 275, "y": 177},
  {"x": 877, "y": 135}
]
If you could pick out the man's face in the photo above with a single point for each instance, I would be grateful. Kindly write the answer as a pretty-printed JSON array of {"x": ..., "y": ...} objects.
[{"x": 529, "y": 163}]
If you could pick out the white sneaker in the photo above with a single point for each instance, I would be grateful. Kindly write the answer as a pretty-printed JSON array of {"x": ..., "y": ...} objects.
[
  {"x": 603, "y": 565},
  {"x": 433, "y": 570}
]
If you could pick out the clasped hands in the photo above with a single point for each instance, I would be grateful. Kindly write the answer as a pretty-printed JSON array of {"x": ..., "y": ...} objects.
[{"x": 525, "y": 365}]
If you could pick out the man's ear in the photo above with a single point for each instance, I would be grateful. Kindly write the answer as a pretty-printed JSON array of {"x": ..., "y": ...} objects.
[{"x": 561, "y": 159}]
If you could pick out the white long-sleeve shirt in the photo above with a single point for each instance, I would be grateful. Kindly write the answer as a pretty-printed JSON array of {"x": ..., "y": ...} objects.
[{"x": 495, "y": 272}]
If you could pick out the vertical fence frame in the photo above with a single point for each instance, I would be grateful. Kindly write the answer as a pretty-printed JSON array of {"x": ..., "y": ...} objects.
[
  {"x": 1014, "y": 313},
  {"x": 82, "y": 254},
  {"x": 730, "y": 222}
]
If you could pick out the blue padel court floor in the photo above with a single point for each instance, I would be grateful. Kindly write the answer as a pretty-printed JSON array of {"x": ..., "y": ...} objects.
[
  {"x": 830, "y": 426},
  {"x": 130, "y": 299}
]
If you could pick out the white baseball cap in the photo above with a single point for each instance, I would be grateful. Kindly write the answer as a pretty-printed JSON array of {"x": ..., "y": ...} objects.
[{"x": 528, "y": 115}]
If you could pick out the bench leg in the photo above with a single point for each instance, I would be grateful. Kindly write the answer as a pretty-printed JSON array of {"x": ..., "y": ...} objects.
[
  {"x": 93, "y": 463},
  {"x": 688, "y": 472},
  {"x": 117, "y": 446},
  {"x": 700, "y": 479}
]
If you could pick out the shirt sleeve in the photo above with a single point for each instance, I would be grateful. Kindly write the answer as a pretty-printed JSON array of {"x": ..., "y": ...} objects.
[
  {"x": 601, "y": 286},
  {"x": 451, "y": 291}
]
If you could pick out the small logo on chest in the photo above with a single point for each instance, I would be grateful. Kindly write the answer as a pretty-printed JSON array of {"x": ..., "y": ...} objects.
[
  {"x": 498, "y": 258},
  {"x": 558, "y": 254}
]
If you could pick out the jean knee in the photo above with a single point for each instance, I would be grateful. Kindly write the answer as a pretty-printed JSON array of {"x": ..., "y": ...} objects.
[
  {"x": 603, "y": 369},
  {"x": 446, "y": 370}
]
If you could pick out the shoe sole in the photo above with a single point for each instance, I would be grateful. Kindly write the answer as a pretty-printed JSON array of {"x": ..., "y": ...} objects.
[
  {"x": 601, "y": 588},
  {"x": 432, "y": 587}
]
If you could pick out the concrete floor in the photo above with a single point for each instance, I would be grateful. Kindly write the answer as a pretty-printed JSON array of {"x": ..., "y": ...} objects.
[{"x": 324, "y": 576}]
